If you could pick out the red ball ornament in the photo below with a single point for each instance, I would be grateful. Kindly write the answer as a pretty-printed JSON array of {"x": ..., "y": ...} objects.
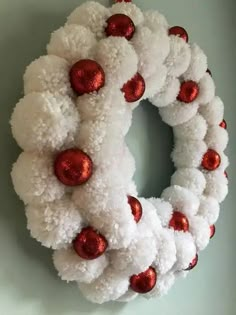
[
  {"x": 223, "y": 124},
  {"x": 209, "y": 71},
  {"x": 179, "y": 31},
  {"x": 89, "y": 244},
  {"x": 134, "y": 88},
  {"x": 212, "y": 231},
  {"x": 179, "y": 222},
  {"x": 193, "y": 264},
  {"x": 189, "y": 91},
  {"x": 86, "y": 76},
  {"x": 211, "y": 160},
  {"x": 144, "y": 282},
  {"x": 73, "y": 167},
  {"x": 136, "y": 208},
  {"x": 120, "y": 25}
]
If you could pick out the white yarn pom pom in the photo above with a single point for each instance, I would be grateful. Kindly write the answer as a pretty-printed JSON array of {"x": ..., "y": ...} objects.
[
  {"x": 188, "y": 153},
  {"x": 118, "y": 59},
  {"x": 206, "y": 90},
  {"x": 72, "y": 42},
  {"x": 190, "y": 178},
  {"x": 155, "y": 82},
  {"x": 179, "y": 57},
  {"x": 108, "y": 287},
  {"x": 163, "y": 285},
  {"x": 34, "y": 180},
  {"x": 198, "y": 64},
  {"x": 44, "y": 122},
  {"x": 216, "y": 185},
  {"x": 71, "y": 267},
  {"x": 200, "y": 230},
  {"x": 158, "y": 49},
  {"x": 164, "y": 210},
  {"x": 213, "y": 112},
  {"x": 178, "y": 113},
  {"x": 167, "y": 94},
  {"x": 155, "y": 21},
  {"x": 195, "y": 129},
  {"x": 92, "y": 15},
  {"x": 130, "y": 295},
  {"x": 129, "y": 9},
  {"x": 217, "y": 138},
  {"x": 185, "y": 250},
  {"x": 127, "y": 164},
  {"x": 54, "y": 224},
  {"x": 224, "y": 162},
  {"x": 181, "y": 199},
  {"x": 209, "y": 209},
  {"x": 48, "y": 74}
]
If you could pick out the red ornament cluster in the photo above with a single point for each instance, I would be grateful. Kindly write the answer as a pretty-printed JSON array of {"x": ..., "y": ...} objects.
[
  {"x": 144, "y": 282},
  {"x": 134, "y": 88},
  {"x": 179, "y": 222},
  {"x": 136, "y": 208},
  {"x": 120, "y": 25},
  {"x": 189, "y": 91},
  {"x": 193, "y": 263},
  {"x": 179, "y": 31},
  {"x": 90, "y": 244},
  {"x": 211, "y": 160},
  {"x": 212, "y": 231},
  {"x": 223, "y": 124},
  {"x": 73, "y": 167}
]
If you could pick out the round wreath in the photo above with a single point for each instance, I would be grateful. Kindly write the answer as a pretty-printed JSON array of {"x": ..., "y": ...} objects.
[{"x": 75, "y": 174}]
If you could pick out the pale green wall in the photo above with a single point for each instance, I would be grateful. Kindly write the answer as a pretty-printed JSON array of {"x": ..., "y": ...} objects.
[{"x": 28, "y": 282}]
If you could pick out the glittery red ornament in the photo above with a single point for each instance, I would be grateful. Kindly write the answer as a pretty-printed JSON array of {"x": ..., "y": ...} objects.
[
  {"x": 89, "y": 244},
  {"x": 193, "y": 264},
  {"x": 189, "y": 91},
  {"x": 136, "y": 208},
  {"x": 179, "y": 31},
  {"x": 209, "y": 71},
  {"x": 212, "y": 231},
  {"x": 226, "y": 174},
  {"x": 86, "y": 76},
  {"x": 211, "y": 160},
  {"x": 223, "y": 124},
  {"x": 73, "y": 167},
  {"x": 120, "y": 25},
  {"x": 144, "y": 282},
  {"x": 179, "y": 222},
  {"x": 134, "y": 88}
]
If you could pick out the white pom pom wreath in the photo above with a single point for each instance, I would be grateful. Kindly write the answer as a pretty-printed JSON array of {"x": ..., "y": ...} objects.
[{"x": 75, "y": 175}]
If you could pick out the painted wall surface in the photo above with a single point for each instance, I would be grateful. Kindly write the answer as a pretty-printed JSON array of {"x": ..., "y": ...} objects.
[{"x": 28, "y": 281}]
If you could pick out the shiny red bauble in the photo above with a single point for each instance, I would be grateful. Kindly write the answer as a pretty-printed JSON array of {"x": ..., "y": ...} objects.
[
  {"x": 179, "y": 222},
  {"x": 90, "y": 244},
  {"x": 136, "y": 208},
  {"x": 144, "y": 282},
  {"x": 86, "y": 76},
  {"x": 211, "y": 160},
  {"x": 193, "y": 264},
  {"x": 120, "y": 25},
  {"x": 189, "y": 91},
  {"x": 134, "y": 88},
  {"x": 179, "y": 31},
  {"x": 212, "y": 231},
  {"x": 209, "y": 72},
  {"x": 223, "y": 124},
  {"x": 73, "y": 167}
]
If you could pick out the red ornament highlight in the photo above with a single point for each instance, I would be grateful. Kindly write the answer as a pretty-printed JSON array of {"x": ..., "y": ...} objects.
[
  {"x": 73, "y": 167},
  {"x": 144, "y": 282},
  {"x": 212, "y": 231},
  {"x": 86, "y": 76},
  {"x": 193, "y": 264},
  {"x": 120, "y": 25},
  {"x": 89, "y": 244},
  {"x": 223, "y": 124},
  {"x": 179, "y": 31},
  {"x": 136, "y": 208},
  {"x": 211, "y": 160},
  {"x": 134, "y": 88},
  {"x": 179, "y": 222},
  {"x": 189, "y": 91}
]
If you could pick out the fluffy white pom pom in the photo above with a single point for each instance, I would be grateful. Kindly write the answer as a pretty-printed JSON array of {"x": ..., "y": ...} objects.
[
  {"x": 164, "y": 210},
  {"x": 200, "y": 230},
  {"x": 195, "y": 129},
  {"x": 188, "y": 153},
  {"x": 216, "y": 185},
  {"x": 118, "y": 59},
  {"x": 72, "y": 42},
  {"x": 190, "y": 178},
  {"x": 54, "y": 224},
  {"x": 130, "y": 295},
  {"x": 185, "y": 250},
  {"x": 34, "y": 180},
  {"x": 155, "y": 21},
  {"x": 198, "y": 64},
  {"x": 163, "y": 285},
  {"x": 209, "y": 209},
  {"x": 213, "y": 112},
  {"x": 206, "y": 90},
  {"x": 92, "y": 15},
  {"x": 48, "y": 74},
  {"x": 44, "y": 122},
  {"x": 129, "y": 9},
  {"x": 182, "y": 199},
  {"x": 71, "y": 267},
  {"x": 108, "y": 287},
  {"x": 155, "y": 82},
  {"x": 217, "y": 138},
  {"x": 224, "y": 162}
]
